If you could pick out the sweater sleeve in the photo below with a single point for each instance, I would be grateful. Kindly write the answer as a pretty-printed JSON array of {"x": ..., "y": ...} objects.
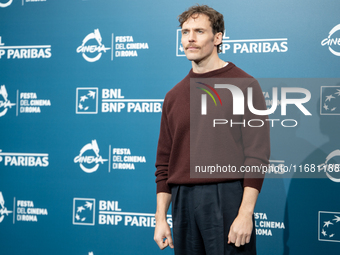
[
  {"x": 163, "y": 153},
  {"x": 256, "y": 139}
]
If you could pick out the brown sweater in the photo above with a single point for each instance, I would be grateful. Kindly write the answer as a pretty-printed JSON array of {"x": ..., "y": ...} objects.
[{"x": 239, "y": 145}]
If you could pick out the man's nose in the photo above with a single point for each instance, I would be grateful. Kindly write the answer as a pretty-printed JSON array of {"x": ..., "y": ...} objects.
[{"x": 192, "y": 37}]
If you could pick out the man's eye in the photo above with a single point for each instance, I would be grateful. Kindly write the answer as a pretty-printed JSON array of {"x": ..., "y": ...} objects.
[{"x": 185, "y": 32}]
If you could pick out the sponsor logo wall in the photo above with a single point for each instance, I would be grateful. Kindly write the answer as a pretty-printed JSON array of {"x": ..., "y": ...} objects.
[{"x": 82, "y": 86}]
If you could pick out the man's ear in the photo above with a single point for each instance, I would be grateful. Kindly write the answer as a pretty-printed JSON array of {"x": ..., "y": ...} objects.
[{"x": 218, "y": 38}]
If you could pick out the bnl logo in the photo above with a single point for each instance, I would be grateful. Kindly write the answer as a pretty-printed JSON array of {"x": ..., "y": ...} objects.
[
  {"x": 179, "y": 46},
  {"x": 329, "y": 226},
  {"x": 330, "y": 100},
  {"x": 87, "y": 101},
  {"x": 238, "y": 99},
  {"x": 84, "y": 211}
]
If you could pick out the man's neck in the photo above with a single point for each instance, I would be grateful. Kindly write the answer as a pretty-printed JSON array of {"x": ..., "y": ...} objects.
[{"x": 207, "y": 65}]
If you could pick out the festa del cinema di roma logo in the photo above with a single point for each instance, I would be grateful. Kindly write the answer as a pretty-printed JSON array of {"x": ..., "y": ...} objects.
[
  {"x": 238, "y": 103},
  {"x": 86, "y": 158},
  {"x": 28, "y": 103},
  {"x": 4, "y": 101},
  {"x": 3, "y": 5},
  {"x": 332, "y": 41},
  {"x": 3, "y": 210},
  {"x": 329, "y": 167},
  {"x": 121, "y": 158},
  {"x": 23, "y": 210},
  {"x": 92, "y": 49}
]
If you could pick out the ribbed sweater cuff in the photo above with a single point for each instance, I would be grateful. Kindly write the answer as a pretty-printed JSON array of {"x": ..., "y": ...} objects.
[{"x": 162, "y": 186}]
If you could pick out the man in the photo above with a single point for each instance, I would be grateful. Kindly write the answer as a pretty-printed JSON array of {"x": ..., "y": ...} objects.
[{"x": 210, "y": 215}]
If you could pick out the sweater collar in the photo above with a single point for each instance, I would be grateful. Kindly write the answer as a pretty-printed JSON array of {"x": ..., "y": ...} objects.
[{"x": 211, "y": 73}]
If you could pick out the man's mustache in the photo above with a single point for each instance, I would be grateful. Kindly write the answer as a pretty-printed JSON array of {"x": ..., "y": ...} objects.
[{"x": 192, "y": 45}]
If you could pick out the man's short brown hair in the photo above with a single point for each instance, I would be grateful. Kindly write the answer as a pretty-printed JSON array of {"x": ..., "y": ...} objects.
[{"x": 215, "y": 18}]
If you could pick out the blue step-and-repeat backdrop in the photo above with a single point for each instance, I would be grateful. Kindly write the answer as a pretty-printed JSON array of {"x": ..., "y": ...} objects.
[{"x": 82, "y": 88}]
